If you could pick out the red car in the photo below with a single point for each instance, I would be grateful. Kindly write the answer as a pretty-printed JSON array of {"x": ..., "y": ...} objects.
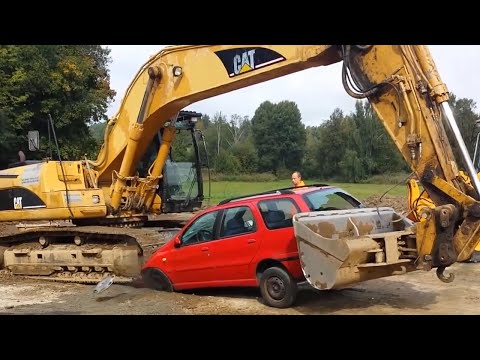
[{"x": 243, "y": 242}]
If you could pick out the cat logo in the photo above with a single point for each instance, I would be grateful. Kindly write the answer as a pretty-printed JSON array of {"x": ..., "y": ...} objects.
[
  {"x": 17, "y": 203},
  {"x": 243, "y": 63},
  {"x": 244, "y": 60}
]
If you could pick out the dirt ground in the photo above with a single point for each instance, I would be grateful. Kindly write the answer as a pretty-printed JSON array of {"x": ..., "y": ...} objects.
[
  {"x": 396, "y": 202},
  {"x": 414, "y": 293}
]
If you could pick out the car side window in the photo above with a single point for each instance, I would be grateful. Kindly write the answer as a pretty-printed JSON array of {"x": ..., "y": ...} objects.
[
  {"x": 278, "y": 213},
  {"x": 237, "y": 221},
  {"x": 201, "y": 230}
]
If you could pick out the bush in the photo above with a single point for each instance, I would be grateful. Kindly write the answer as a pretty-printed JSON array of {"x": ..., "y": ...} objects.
[{"x": 284, "y": 173}]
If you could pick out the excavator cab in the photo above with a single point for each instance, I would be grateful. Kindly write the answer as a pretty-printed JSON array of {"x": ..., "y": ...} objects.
[{"x": 181, "y": 185}]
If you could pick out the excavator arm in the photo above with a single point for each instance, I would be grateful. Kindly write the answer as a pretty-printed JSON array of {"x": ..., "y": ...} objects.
[{"x": 410, "y": 107}]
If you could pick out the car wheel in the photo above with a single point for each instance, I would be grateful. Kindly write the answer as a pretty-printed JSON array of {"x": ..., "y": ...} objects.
[
  {"x": 157, "y": 280},
  {"x": 277, "y": 287}
]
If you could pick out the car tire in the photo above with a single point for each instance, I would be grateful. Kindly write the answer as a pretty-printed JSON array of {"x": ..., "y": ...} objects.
[
  {"x": 278, "y": 288},
  {"x": 157, "y": 280}
]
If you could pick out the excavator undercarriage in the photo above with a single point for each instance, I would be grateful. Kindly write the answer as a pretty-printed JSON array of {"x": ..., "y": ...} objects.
[
  {"x": 84, "y": 254},
  {"x": 38, "y": 196}
]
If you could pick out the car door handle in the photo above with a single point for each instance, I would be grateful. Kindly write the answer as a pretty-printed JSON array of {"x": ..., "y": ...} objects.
[
  {"x": 205, "y": 248},
  {"x": 251, "y": 241}
]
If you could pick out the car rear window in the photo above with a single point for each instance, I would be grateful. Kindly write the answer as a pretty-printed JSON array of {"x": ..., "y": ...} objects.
[{"x": 278, "y": 213}]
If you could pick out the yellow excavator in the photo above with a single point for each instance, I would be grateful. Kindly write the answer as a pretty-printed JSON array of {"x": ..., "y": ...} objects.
[
  {"x": 336, "y": 248},
  {"x": 179, "y": 194}
]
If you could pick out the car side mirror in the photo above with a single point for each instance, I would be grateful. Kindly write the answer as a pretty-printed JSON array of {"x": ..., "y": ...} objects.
[{"x": 177, "y": 242}]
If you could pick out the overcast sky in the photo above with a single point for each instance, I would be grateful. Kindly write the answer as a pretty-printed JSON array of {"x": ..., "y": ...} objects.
[{"x": 316, "y": 91}]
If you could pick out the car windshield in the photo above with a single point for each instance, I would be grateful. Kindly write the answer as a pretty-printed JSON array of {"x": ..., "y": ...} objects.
[{"x": 330, "y": 199}]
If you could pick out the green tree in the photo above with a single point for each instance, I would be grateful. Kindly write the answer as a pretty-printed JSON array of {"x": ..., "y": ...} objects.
[
  {"x": 246, "y": 154},
  {"x": 70, "y": 82},
  {"x": 227, "y": 163},
  {"x": 237, "y": 128},
  {"x": 231, "y": 137},
  {"x": 311, "y": 161},
  {"x": 334, "y": 135},
  {"x": 375, "y": 149},
  {"x": 182, "y": 147},
  {"x": 214, "y": 131},
  {"x": 464, "y": 111},
  {"x": 7, "y": 140},
  {"x": 352, "y": 148},
  {"x": 350, "y": 167},
  {"x": 98, "y": 131},
  {"x": 279, "y": 136}
]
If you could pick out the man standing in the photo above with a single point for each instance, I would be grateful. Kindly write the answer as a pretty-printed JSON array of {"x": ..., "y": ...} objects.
[{"x": 297, "y": 179}]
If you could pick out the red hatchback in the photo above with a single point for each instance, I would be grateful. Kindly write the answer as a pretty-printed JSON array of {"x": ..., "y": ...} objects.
[{"x": 243, "y": 242}]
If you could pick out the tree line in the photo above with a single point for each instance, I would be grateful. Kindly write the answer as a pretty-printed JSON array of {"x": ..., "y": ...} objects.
[
  {"x": 352, "y": 147},
  {"x": 71, "y": 84}
]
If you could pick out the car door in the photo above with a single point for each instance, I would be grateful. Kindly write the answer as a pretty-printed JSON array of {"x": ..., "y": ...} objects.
[
  {"x": 191, "y": 261},
  {"x": 279, "y": 238},
  {"x": 237, "y": 245}
]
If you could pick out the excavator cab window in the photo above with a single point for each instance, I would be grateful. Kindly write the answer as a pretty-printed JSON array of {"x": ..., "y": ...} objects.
[
  {"x": 149, "y": 157},
  {"x": 179, "y": 180},
  {"x": 33, "y": 145},
  {"x": 181, "y": 186}
]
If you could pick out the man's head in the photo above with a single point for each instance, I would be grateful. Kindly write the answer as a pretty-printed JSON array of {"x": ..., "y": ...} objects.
[{"x": 296, "y": 178}]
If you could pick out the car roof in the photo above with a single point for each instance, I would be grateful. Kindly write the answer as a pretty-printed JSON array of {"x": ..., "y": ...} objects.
[{"x": 276, "y": 192}]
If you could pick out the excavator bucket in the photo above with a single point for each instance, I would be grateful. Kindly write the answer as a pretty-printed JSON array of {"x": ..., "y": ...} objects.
[{"x": 341, "y": 247}]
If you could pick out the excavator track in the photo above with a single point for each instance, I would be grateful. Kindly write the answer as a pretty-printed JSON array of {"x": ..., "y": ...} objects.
[
  {"x": 80, "y": 254},
  {"x": 81, "y": 279}
]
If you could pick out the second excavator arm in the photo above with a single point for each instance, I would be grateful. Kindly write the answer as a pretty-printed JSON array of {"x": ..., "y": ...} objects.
[
  {"x": 401, "y": 82},
  {"x": 410, "y": 106}
]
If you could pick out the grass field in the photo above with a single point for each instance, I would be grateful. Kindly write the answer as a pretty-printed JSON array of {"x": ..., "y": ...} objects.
[{"x": 226, "y": 189}]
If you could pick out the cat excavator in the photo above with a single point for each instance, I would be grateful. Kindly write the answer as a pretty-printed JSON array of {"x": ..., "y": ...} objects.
[{"x": 335, "y": 247}]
